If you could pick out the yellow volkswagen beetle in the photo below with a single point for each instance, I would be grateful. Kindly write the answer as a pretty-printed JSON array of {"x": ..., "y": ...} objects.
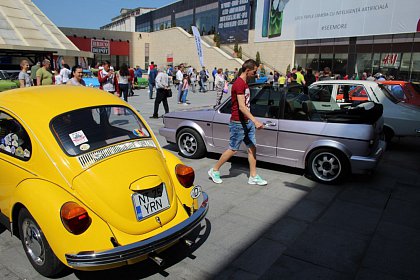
[{"x": 85, "y": 184}]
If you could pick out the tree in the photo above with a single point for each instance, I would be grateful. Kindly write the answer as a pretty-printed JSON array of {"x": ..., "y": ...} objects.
[
  {"x": 216, "y": 39},
  {"x": 162, "y": 26},
  {"x": 258, "y": 58},
  {"x": 288, "y": 68},
  {"x": 235, "y": 48},
  {"x": 239, "y": 55}
]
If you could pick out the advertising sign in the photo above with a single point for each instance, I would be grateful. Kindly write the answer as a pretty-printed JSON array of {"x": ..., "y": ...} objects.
[
  {"x": 100, "y": 46},
  {"x": 233, "y": 21},
  {"x": 278, "y": 20},
  {"x": 197, "y": 38}
]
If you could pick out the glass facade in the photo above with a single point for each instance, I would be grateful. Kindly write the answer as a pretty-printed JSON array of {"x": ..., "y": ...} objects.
[
  {"x": 143, "y": 27},
  {"x": 162, "y": 23},
  {"x": 207, "y": 21},
  {"x": 395, "y": 55},
  {"x": 185, "y": 22}
]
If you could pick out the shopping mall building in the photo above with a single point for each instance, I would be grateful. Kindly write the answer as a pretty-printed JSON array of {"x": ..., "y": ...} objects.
[{"x": 347, "y": 36}]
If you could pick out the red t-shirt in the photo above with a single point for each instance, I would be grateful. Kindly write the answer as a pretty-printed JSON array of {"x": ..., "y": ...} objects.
[{"x": 240, "y": 87}]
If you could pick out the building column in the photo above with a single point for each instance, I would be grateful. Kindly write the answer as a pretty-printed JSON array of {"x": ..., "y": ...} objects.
[{"x": 352, "y": 56}]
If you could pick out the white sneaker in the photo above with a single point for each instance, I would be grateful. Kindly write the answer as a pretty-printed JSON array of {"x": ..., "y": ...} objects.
[
  {"x": 257, "y": 180},
  {"x": 215, "y": 176}
]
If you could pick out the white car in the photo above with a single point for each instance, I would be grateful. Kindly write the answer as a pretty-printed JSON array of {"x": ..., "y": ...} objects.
[{"x": 401, "y": 119}]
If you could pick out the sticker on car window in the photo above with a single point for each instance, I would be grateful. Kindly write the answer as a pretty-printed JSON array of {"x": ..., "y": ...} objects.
[
  {"x": 19, "y": 152},
  {"x": 84, "y": 147},
  {"x": 26, "y": 153},
  {"x": 138, "y": 132},
  {"x": 78, "y": 137}
]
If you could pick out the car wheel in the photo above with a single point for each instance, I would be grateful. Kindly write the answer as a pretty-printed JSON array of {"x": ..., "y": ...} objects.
[
  {"x": 36, "y": 246},
  {"x": 327, "y": 166},
  {"x": 190, "y": 143}
]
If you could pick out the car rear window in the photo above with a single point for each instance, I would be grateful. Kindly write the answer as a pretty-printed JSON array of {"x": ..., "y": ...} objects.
[{"x": 89, "y": 129}]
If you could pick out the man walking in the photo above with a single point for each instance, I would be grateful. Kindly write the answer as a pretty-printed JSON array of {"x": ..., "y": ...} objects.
[
  {"x": 213, "y": 73},
  {"x": 203, "y": 79},
  {"x": 152, "y": 80},
  {"x": 162, "y": 86},
  {"x": 179, "y": 78},
  {"x": 242, "y": 126}
]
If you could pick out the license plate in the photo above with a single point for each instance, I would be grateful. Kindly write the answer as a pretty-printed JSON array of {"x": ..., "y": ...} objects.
[{"x": 149, "y": 202}]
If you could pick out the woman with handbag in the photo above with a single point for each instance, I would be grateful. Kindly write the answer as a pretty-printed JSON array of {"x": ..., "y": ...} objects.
[
  {"x": 221, "y": 85},
  {"x": 163, "y": 91}
]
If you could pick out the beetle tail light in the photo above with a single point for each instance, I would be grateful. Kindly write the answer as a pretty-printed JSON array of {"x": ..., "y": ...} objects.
[
  {"x": 75, "y": 218},
  {"x": 185, "y": 175}
]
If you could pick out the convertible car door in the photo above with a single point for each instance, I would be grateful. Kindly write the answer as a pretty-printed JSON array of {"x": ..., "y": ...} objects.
[{"x": 265, "y": 104}]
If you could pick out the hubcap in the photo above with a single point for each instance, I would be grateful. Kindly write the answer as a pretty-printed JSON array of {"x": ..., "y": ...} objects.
[
  {"x": 187, "y": 144},
  {"x": 33, "y": 241},
  {"x": 326, "y": 166}
]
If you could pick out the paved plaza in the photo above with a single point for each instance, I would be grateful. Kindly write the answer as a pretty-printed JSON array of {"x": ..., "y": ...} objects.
[{"x": 294, "y": 228}]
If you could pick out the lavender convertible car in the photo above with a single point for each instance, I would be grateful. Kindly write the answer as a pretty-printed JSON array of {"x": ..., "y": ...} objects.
[{"x": 304, "y": 131}]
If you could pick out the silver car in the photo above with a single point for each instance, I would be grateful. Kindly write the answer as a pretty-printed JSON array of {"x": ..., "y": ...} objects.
[{"x": 317, "y": 135}]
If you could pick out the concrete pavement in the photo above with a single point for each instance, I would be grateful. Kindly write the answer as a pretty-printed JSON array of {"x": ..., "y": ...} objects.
[{"x": 294, "y": 228}]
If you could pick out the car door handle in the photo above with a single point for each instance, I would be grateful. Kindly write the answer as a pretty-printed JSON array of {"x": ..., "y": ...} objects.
[{"x": 269, "y": 124}]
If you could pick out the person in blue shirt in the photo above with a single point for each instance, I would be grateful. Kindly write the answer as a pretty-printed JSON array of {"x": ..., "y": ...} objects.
[
  {"x": 138, "y": 73},
  {"x": 152, "y": 83},
  {"x": 213, "y": 73}
]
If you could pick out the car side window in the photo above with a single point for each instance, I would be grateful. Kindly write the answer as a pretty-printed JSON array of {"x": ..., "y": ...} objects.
[
  {"x": 397, "y": 91},
  {"x": 266, "y": 103},
  {"x": 354, "y": 94},
  {"x": 14, "y": 140},
  {"x": 321, "y": 93}
]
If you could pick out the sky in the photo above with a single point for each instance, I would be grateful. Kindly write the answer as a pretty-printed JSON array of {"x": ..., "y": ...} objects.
[{"x": 90, "y": 14}]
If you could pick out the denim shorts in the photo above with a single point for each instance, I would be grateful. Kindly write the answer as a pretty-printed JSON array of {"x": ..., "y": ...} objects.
[{"x": 238, "y": 134}]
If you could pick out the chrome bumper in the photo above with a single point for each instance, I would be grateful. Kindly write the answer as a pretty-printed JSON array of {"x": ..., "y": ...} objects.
[
  {"x": 364, "y": 164},
  {"x": 122, "y": 254}
]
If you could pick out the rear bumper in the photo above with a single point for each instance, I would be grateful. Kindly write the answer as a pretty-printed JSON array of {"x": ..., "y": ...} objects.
[
  {"x": 121, "y": 255},
  {"x": 360, "y": 165},
  {"x": 169, "y": 134}
]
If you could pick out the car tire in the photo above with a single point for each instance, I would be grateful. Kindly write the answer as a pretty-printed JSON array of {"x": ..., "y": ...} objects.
[
  {"x": 327, "y": 166},
  {"x": 36, "y": 246},
  {"x": 190, "y": 144}
]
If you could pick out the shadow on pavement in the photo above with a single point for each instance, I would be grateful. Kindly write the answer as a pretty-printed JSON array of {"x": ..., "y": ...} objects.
[{"x": 146, "y": 268}]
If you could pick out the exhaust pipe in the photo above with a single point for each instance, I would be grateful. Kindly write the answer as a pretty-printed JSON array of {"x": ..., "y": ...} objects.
[
  {"x": 188, "y": 242},
  {"x": 159, "y": 261}
]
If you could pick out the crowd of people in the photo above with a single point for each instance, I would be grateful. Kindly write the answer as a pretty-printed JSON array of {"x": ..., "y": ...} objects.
[{"x": 183, "y": 78}]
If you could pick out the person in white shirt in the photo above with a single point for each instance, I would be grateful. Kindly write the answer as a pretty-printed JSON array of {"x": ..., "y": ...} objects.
[
  {"x": 162, "y": 88},
  {"x": 65, "y": 73},
  {"x": 180, "y": 77}
]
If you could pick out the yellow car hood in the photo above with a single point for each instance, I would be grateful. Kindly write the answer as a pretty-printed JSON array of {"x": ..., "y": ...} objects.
[{"x": 108, "y": 186}]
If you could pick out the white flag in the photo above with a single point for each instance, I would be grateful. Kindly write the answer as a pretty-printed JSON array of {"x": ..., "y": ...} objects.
[{"x": 198, "y": 44}]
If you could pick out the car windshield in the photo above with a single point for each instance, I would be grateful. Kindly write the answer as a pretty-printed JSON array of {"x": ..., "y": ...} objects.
[
  {"x": 4, "y": 76},
  {"x": 89, "y": 129},
  {"x": 388, "y": 94}
]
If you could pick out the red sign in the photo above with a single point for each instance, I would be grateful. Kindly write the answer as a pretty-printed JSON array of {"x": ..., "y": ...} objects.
[
  {"x": 100, "y": 46},
  {"x": 390, "y": 59}
]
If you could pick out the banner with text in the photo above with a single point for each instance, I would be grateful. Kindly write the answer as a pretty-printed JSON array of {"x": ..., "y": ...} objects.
[
  {"x": 278, "y": 20},
  {"x": 100, "y": 46},
  {"x": 233, "y": 21},
  {"x": 197, "y": 38}
]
